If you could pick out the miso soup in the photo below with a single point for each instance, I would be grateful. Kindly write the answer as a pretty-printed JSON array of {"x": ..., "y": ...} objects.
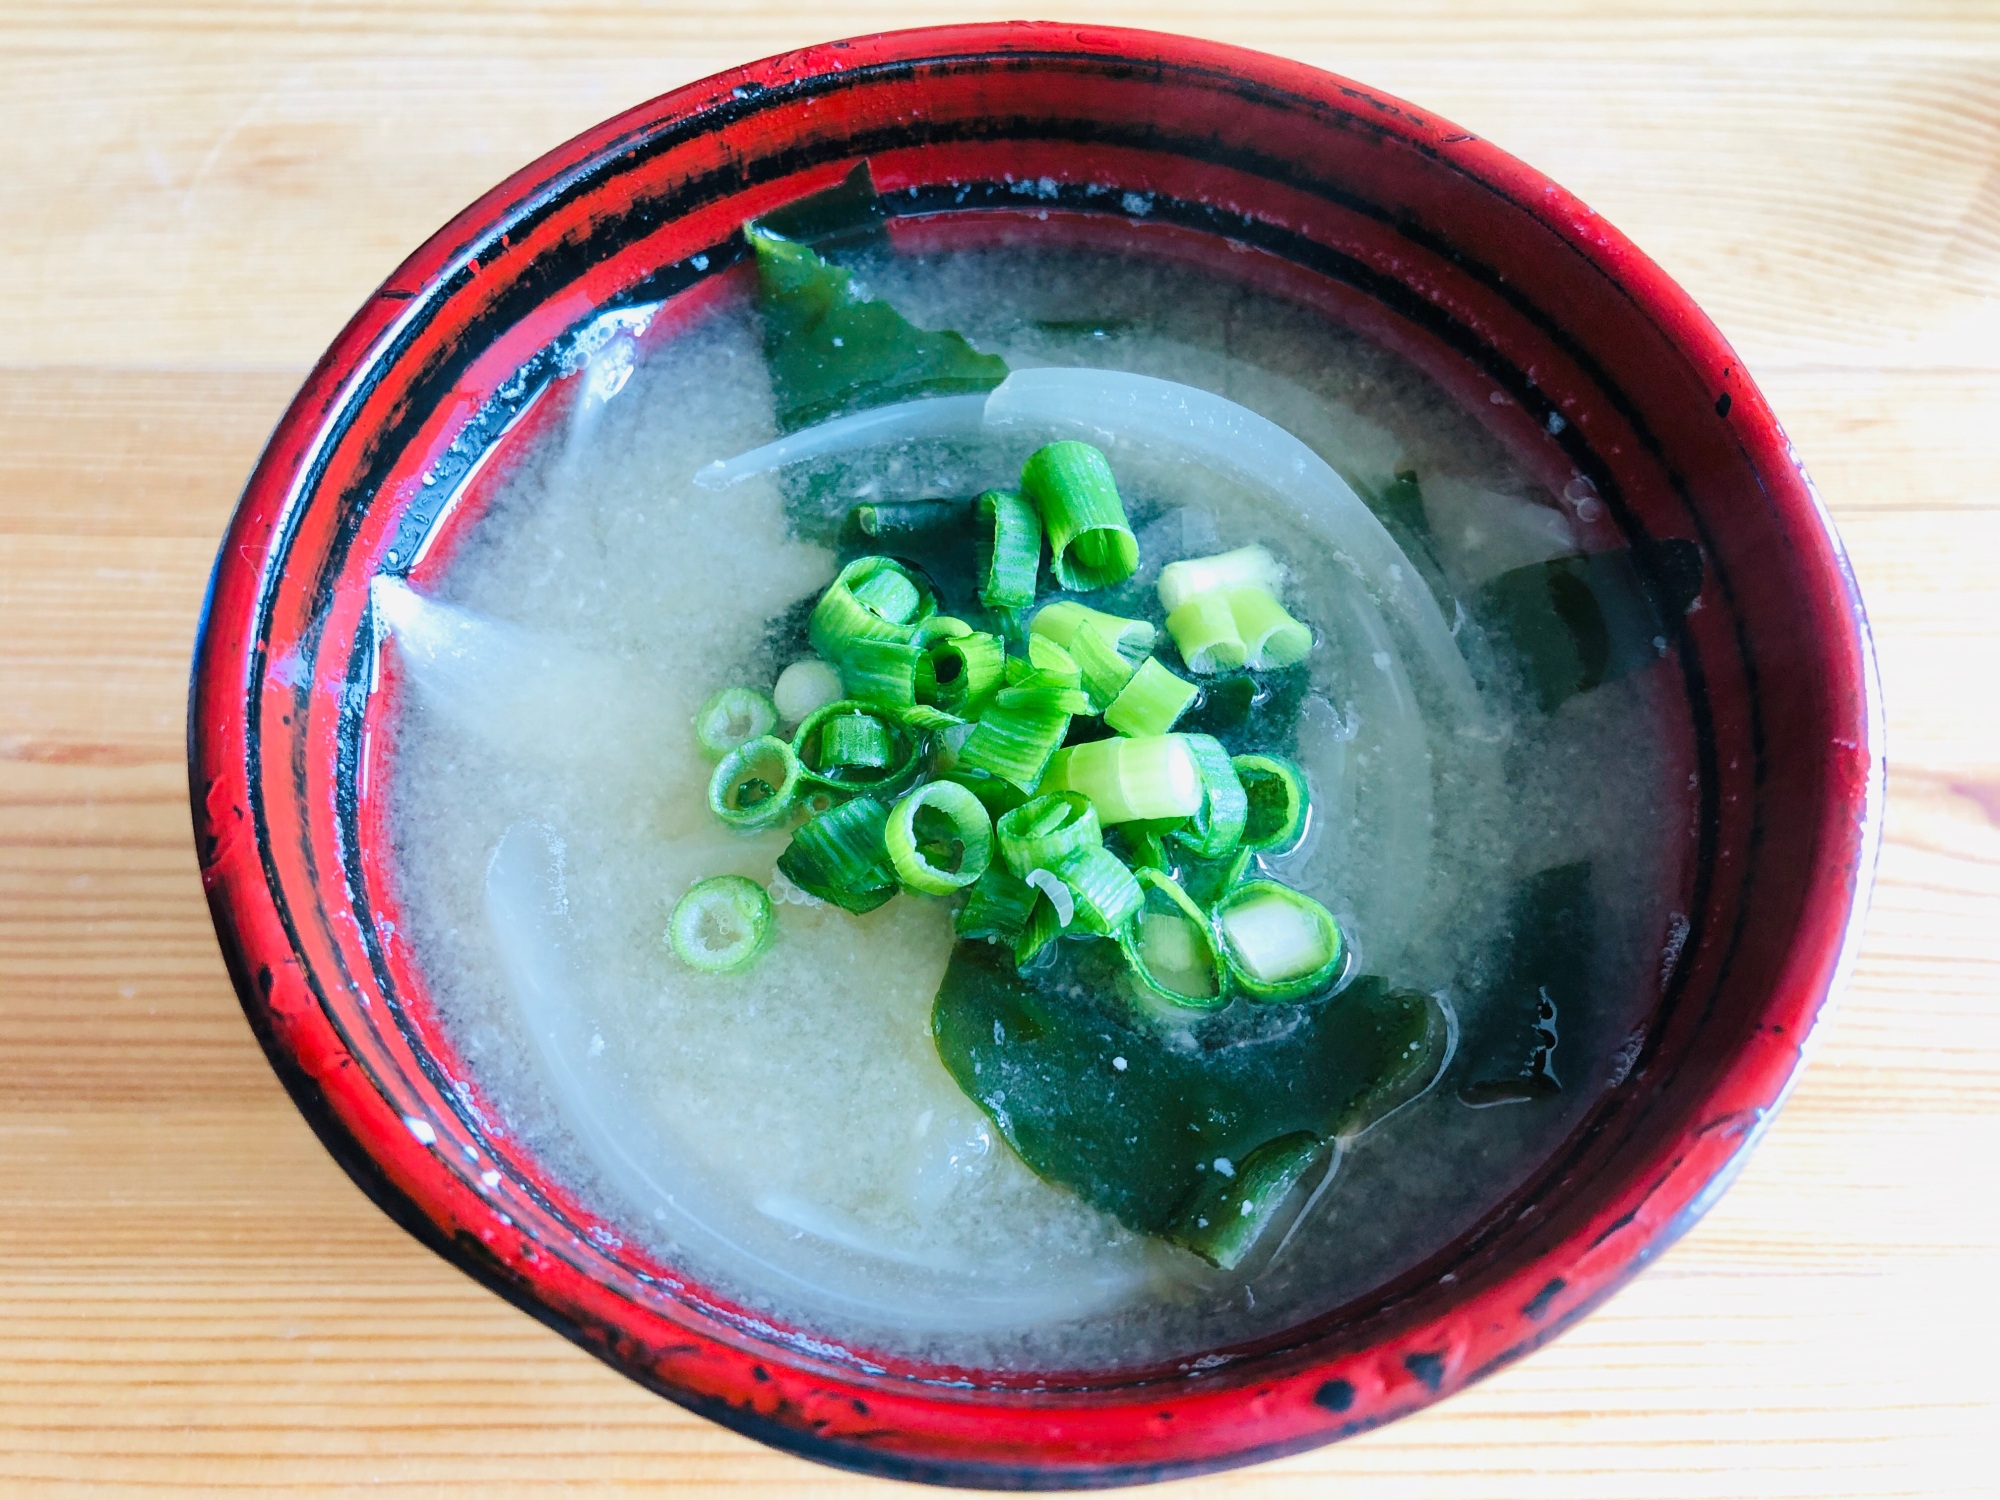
[{"x": 1028, "y": 805}]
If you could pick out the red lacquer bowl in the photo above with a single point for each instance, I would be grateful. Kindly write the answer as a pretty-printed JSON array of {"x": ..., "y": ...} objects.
[{"x": 1583, "y": 357}]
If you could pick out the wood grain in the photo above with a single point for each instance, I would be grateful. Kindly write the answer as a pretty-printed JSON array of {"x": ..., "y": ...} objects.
[{"x": 193, "y": 1299}]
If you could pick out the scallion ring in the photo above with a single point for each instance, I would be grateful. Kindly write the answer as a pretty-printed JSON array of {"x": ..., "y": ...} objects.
[
  {"x": 1276, "y": 790},
  {"x": 1151, "y": 702},
  {"x": 1217, "y": 825},
  {"x": 940, "y": 839},
  {"x": 733, "y": 717},
  {"x": 1171, "y": 947},
  {"x": 721, "y": 924},
  {"x": 1046, "y": 829},
  {"x": 1010, "y": 550},
  {"x": 1278, "y": 943},
  {"x": 842, "y": 856},
  {"x": 754, "y": 785}
]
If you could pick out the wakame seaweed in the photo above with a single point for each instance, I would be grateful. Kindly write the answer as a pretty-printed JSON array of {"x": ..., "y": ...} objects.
[
  {"x": 1138, "y": 1126},
  {"x": 1541, "y": 972},
  {"x": 1585, "y": 619}
]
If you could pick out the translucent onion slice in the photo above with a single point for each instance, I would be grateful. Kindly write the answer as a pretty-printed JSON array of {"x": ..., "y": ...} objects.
[
  {"x": 1279, "y": 943},
  {"x": 731, "y": 718},
  {"x": 721, "y": 924},
  {"x": 1237, "y": 443},
  {"x": 906, "y": 421}
]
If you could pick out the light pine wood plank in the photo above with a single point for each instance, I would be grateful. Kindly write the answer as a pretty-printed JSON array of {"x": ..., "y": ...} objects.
[{"x": 194, "y": 1300}]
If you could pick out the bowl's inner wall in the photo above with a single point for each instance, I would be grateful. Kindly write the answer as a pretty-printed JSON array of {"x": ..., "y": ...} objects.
[{"x": 1477, "y": 288}]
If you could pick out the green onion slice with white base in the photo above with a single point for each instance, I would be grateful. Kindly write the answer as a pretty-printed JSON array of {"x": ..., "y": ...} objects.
[
  {"x": 1271, "y": 638},
  {"x": 755, "y": 784},
  {"x": 940, "y": 839},
  {"x": 1278, "y": 943},
  {"x": 1251, "y": 566},
  {"x": 1171, "y": 949},
  {"x": 1130, "y": 780},
  {"x": 1276, "y": 790},
  {"x": 1204, "y": 630},
  {"x": 721, "y": 924},
  {"x": 733, "y": 717}
]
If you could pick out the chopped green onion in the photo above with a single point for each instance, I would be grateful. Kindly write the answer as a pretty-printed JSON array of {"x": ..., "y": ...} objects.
[
  {"x": 930, "y": 719},
  {"x": 1171, "y": 949},
  {"x": 1204, "y": 629},
  {"x": 842, "y": 856},
  {"x": 720, "y": 924},
  {"x": 1061, "y": 621},
  {"x": 1193, "y": 576},
  {"x": 962, "y": 672},
  {"x": 883, "y": 672},
  {"x": 1128, "y": 779},
  {"x": 1010, "y": 550},
  {"x": 1105, "y": 894},
  {"x": 1279, "y": 943},
  {"x": 1017, "y": 735},
  {"x": 1045, "y": 830},
  {"x": 1216, "y": 827},
  {"x": 940, "y": 839},
  {"x": 940, "y": 628},
  {"x": 1276, "y": 790},
  {"x": 805, "y": 687},
  {"x": 903, "y": 520},
  {"x": 810, "y": 745},
  {"x": 1105, "y": 673},
  {"x": 1231, "y": 1210},
  {"x": 1271, "y": 638},
  {"x": 755, "y": 784},
  {"x": 853, "y": 740},
  {"x": 843, "y": 616},
  {"x": 995, "y": 793},
  {"x": 1091, "y": 545},
  {"x": 1043, "y": 927},
  {"x": 732, "y": 717},
  {"x": 1054, "y": 664},
  {"x": 997, "y": 906},
  {"x": 1139, "y": 845},
  {"x": 1151, "y": 702}
]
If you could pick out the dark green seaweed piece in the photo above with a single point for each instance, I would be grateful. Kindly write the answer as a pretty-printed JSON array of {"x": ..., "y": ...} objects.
[
  {"x": 1227, "y": 1214},
  {"x": 830, "y": 350},
  {"x": 1399, "y": 505},
  {"x": 851, "y": 211},
  {"x": 1109, "y": 1107},
  {"x": 1251, "y": 712},
  {"x": 1579, "y": 621},
  {"x": 1508, "y": 1053},
  {"x": 929, "y": 536}
]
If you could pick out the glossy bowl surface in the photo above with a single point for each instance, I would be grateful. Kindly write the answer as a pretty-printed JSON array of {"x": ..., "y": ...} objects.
[{"x": 1585, "y": 359}]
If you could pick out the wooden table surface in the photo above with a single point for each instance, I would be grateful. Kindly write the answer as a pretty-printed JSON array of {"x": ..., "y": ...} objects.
[{"x": 193, "y": 198}]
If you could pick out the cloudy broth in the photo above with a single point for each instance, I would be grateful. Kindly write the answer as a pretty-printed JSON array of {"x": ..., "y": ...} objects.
[{"x": 788, "y": 1134}]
